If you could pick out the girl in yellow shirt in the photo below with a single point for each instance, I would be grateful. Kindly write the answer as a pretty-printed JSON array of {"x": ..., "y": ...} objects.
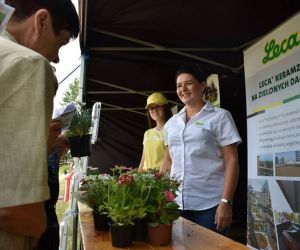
[{"x": 154, "y": 148}]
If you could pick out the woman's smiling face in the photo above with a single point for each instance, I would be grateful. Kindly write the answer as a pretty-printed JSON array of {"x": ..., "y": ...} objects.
[{"x": 189, "y": 89}]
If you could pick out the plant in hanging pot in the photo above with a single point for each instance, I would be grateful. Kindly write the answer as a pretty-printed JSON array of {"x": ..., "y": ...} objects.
[
  {"x": 162, "y": 209},
  {"x": 126, "y": 203},
  {"x": 79, "y": 133}
]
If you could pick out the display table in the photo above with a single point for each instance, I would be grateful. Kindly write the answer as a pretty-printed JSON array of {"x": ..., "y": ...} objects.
[{"x": 186, "y": 236}]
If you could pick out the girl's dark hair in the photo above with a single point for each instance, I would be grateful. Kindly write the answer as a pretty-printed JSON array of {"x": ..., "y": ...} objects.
[
  {"x": 63, "y": 13},
  {"x": 167, "y": 112},
  {"x": 191, "y": 69}
]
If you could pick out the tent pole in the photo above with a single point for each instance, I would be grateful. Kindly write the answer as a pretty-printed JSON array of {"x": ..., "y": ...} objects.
[
  {"x": 162, "y": 48},
  {"x": 126, "y": 89}
]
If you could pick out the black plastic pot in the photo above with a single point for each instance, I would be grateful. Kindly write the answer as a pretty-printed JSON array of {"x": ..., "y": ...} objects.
[
  {"x": 80, "y": 145},
  {"x": 100, "y": 221},
  {"x": 121, "y": 236},
  {"x": 140, "y": 230}
]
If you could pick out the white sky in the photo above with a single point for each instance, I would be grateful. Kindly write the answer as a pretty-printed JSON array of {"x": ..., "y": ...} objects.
[{"x": 69, "y": 56}]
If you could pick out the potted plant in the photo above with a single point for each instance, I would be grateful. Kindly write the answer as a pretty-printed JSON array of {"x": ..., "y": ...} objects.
[
  {"x": 162, "y": 209},
  {"x": 143, "y": 184},
  {"x": 94, "y": 196},
  {"x": 126, "y": 202},
  {"x": 79, "y": 133}
]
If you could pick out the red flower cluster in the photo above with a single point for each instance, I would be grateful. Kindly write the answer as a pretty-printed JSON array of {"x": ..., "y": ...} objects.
[
  {"x": 170, "y": 196},
  {"x": 125, "y": 179},
  {"x": 157, "y": 176}
]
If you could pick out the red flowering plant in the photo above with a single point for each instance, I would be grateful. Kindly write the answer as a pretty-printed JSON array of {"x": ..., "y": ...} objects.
[
  {"x": 161, "y": 205},
  {"x": 126, "y": 197}
]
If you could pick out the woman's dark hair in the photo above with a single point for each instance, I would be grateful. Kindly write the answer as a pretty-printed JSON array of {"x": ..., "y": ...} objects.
[
  {"x": 167, "y": 112},
  {"x": 193, "y": 70},
  {"x": 63, "y": 13}
]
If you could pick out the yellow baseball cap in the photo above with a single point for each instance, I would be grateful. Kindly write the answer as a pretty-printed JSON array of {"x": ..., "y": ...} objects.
[{"x": 156, "y": 98}]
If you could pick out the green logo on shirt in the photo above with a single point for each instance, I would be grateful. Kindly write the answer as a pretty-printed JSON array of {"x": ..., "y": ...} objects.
[{"x": 199, "y": 124}]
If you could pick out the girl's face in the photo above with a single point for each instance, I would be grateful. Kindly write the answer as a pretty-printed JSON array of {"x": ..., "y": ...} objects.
[
  {"x": 189, "y": 89},
  {"x": 156, "y": 112}
]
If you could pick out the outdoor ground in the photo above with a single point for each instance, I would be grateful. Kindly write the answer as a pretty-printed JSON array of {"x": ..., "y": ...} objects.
[
  {"x": 61, "y": 205},
  {"x": 293, "y": 171}
]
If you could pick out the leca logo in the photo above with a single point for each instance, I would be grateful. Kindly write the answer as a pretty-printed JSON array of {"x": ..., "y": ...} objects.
[{"x": 274, "y": 49}]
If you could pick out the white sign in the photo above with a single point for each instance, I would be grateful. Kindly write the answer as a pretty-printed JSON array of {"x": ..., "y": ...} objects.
[
  {"x": 95, "y": 119},
  {"x": 272, "y": 74}
]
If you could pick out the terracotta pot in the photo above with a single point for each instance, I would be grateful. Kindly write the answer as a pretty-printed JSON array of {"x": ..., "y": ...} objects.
[
  {"x": 121, "y": 236},
  {"x": 100, "y": 221},
  {"x": 160, "y": 235}
]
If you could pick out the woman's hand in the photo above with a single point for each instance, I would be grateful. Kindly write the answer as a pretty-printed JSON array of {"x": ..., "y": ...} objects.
[{"x": 223, "y": 216}]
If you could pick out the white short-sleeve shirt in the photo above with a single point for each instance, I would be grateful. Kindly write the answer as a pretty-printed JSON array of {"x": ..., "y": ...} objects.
[{"x": 195, "y": 150}]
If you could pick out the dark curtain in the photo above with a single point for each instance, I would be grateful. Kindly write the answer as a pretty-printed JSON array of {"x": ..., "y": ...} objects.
[{"x": 120, "y": 139}]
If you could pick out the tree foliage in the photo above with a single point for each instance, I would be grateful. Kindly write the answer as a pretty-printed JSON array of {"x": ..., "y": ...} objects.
[{"x": 71, "y": 94}]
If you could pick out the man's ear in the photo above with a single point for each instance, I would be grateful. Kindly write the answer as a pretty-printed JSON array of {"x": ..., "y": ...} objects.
[{"x": 42, "y": 21}]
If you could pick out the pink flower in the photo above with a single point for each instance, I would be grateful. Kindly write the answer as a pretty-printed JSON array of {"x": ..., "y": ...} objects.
[{"x": 170, "y": 196}]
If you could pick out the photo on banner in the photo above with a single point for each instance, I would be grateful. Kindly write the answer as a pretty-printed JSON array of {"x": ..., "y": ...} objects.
[
  {"x": 212, "y": 92},
  {"x": 272, "y": 78}
]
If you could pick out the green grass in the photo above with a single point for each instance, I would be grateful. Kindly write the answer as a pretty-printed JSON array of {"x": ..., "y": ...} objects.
[{"x": 61, "y": 205}]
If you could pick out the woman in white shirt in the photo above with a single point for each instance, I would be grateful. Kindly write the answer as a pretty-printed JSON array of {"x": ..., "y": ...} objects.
[{"x": 201, "y": 152}]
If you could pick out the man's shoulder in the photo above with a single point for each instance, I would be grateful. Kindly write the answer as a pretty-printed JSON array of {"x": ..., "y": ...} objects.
[{"x": 12, "y": 51}]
